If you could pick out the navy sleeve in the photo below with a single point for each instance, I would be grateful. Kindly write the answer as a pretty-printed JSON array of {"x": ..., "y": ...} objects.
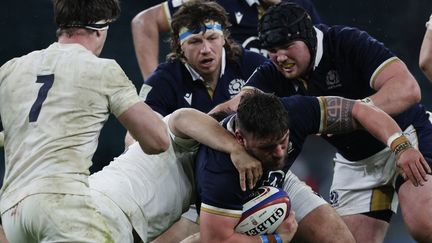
[
  {"x": 173, "y": 6},
  {"x": 362, "y": 50},
  {"x": 217, "y": 180},
  {"x": 161, "y": 96},
  {"x": 304, "y": 115}
]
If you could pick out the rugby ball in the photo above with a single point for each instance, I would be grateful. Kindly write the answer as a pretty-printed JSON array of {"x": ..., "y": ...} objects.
[{"x": 264, "y": 212}]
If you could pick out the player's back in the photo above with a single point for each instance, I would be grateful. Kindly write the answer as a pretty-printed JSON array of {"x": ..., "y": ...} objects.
[
  {"x": 152, "y": 190},
  {"x": 53, "y": 104}
]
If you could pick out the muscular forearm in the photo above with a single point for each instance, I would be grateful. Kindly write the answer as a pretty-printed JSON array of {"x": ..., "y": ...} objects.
[
  {"x": 151, "y": 132},
  {"x": 425, "y": 60},
  {"x": 375, "y": 121},
  {"x": 232, "y": 104},
  {"x": 191, "y": 123}
]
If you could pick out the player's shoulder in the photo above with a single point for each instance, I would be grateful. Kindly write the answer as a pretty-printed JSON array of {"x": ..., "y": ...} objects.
[{"x": 170, "y": 71}]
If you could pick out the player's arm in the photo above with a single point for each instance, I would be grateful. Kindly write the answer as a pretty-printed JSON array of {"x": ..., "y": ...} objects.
[
  {"x": 146, "y": 127},
  {"x": 344, "y": 115},
  {"x": 425, "y": 60},
  {"x": 397, "y": 89},
  {"x": 191, "y": 123},
  {"x": 146, "y": 27},
  {"x": 231, "y": 104},
  {"x": 218, "y": 228}
]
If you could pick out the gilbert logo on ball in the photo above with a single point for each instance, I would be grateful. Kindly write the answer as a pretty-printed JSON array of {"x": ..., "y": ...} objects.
[{"x": 265, "y": 212}]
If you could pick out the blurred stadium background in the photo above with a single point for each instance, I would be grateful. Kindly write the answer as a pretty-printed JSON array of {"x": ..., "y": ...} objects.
[{"x": 28, "y": 25}]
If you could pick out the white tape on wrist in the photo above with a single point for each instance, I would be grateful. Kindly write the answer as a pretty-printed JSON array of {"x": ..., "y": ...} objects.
[{"x": 393, "y": 137}]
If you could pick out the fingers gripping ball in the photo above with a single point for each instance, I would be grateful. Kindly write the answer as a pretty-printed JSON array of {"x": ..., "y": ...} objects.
[{"x": 265, "y": 212}]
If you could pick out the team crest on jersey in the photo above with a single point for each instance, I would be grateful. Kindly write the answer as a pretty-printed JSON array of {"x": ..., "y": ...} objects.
[
  {"x": 235, "y": 86},
  {"x": 332, "y": 80}
]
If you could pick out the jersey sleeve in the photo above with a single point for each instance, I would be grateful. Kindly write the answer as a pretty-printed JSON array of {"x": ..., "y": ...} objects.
[
  {"x": 170, "y": 7},
  {"x": 305, "y": 115},
  {"x": 218, "y": 183},
  {"x": 121, "y": 92},
  {"x": 364, "y": 52},
  {"x": 159, "y": 94}
]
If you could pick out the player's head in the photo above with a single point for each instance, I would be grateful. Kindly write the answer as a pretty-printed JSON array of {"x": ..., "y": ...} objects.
[
  {"x": 199, "y": 35},
  {"x": 77, "y": 17},
  {"x": 286, "y": 31},
  {"x": 262, "y": 127}
]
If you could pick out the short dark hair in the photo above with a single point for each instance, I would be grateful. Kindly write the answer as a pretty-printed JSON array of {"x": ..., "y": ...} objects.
[
  {"x": 79, "y": 13},
  {"x": 262, "y": 114},
  {"x": 193, "y": 14}
]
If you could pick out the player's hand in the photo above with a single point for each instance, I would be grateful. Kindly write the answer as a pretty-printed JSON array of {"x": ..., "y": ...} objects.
[
  {"x": 249, "y": 168},
  {"x": 288, "y": 228},
  {"x": 413, "y": 166}
]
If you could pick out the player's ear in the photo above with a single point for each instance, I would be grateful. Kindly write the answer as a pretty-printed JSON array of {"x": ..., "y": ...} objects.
[{"x": 239, "y": 137}]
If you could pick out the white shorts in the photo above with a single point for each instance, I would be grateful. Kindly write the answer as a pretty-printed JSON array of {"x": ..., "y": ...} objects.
[
  {"x": 56, "y": 218},
  {"x": 366, "y": 185},
  {"x": 303, "y": 198}
]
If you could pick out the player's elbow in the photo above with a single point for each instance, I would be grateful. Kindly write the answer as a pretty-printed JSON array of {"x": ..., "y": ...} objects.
[
  {"x": 413, "y": 92},
  {"x": 425, "y": 64},
  {"x": 139, "y": 20},
  {"x": 157, "y": 145}
]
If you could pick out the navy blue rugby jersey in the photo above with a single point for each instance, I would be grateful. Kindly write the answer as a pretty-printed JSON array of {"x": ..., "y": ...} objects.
[
  {"x": 350, "y": 60},
  {"x": 216, "y": 177},
  {"x": 244, "y": 19},
  {"x": 171, "y": 85}
]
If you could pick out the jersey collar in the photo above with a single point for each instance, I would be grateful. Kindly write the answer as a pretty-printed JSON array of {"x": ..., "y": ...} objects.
[
  {"x": 252, "y": 2},
  {"x": 319, "y": 51},
  {"x": 196, "y": 76}
]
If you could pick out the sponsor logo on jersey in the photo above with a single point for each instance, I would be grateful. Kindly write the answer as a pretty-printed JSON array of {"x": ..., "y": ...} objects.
[
  {"x": 238, "y": 16},
  {"x": 235, "y": 86},
  {"x": 334, "y": 198},
  {"x": 332, "y": 80},
  {"x": 188, "y": 98},
  {"x": 290, "y": 147}
]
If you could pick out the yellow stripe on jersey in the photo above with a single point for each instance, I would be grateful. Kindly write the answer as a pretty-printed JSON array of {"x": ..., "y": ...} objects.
[
  {"x": 378, "y": 70},
  {"x": 221, "y": 211},
  {"x": 166, "y": 13},
  {"x": 381, "y": 198},
  {"x": 323, "y": 108}
]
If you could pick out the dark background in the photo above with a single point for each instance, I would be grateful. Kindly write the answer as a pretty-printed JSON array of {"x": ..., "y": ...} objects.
[{"x": 27, "y": 25}]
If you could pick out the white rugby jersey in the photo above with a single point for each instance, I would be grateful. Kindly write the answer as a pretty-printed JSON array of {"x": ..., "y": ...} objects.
[
  {"x": 152, "y": 190},
  {"x": 53, "y": 104}
]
